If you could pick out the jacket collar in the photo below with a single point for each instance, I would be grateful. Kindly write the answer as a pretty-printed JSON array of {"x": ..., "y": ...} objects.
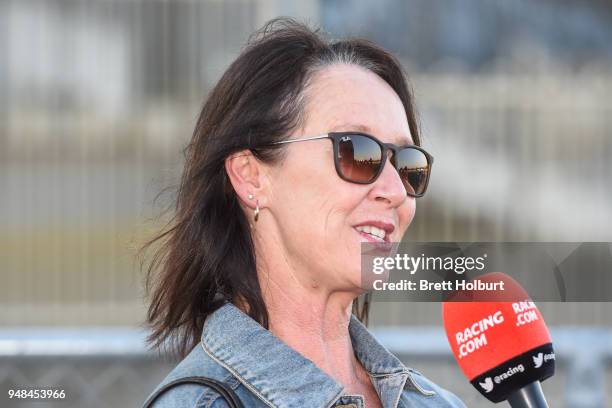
[{"x": 281, "y": 376}]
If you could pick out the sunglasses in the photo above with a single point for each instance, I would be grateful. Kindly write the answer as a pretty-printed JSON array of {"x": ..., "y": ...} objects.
[{"x": 360, "y": 158}]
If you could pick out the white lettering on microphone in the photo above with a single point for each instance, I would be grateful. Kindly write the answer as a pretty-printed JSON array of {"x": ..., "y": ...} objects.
[
  {"x": 526, "y": 312},
  {"x": 474, "y": 337},
  {"x": 509, "y": 373}
]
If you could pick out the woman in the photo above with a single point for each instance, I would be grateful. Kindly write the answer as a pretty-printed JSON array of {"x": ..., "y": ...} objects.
[{"x": 289, "y": 170}]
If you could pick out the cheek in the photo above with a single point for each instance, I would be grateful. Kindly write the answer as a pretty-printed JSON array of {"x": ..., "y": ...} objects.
[
  {"x": 320, "y": 226},
  {"x": 311, "y": 197},
  {"x": 333, "y": 202}
]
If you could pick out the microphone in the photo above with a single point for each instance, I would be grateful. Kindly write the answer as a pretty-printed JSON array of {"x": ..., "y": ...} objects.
[{"x": 501, "y": 343}]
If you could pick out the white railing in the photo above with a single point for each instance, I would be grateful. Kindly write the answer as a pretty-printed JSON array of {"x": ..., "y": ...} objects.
[{"x": 115, "y": 357}]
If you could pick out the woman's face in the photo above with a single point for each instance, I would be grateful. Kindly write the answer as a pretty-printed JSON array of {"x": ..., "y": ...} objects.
[{"x": 314, "y": 211}]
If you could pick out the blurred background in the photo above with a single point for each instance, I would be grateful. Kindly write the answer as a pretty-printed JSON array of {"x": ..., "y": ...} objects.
[{"x": 98, "y": 98}]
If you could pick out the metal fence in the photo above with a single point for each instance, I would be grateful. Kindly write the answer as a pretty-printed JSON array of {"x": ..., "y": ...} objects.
[
  {"x": 523, "y": 152},
  {"x": 514, "y": 161},
  {"x": 110, "y": 367}
]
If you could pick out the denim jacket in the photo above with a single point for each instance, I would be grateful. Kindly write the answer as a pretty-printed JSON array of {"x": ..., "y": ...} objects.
[{"x": 265, "y": 372}]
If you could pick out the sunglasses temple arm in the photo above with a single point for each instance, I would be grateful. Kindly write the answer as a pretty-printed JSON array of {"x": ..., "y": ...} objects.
[{"x": 301, "y": 140}]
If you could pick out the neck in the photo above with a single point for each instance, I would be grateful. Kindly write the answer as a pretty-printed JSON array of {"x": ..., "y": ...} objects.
[
  {"x": 317, "y": 327},
  {"x": 310, "y": 319}
]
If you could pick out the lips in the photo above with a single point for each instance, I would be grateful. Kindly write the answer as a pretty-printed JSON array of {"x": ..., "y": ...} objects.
[
  {"x": 370, "y": 238},
  {"x": 373, "y": 230},
  {"x": 375, "y": 247}
]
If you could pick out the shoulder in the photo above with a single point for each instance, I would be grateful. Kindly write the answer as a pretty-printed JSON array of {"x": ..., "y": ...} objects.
[
  {"x": 191, "y": 395},
  {"x": 429, "y": 392}
]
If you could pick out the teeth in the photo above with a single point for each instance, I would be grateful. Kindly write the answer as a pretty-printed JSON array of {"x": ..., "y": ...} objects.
[{"x": 372, "y": 230}]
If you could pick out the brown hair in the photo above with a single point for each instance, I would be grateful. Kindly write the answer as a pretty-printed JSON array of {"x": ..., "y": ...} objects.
[{"x": 207, "y": 248}]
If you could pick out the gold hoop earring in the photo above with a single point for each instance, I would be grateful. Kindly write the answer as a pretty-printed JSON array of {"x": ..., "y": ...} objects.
[{"x": 256, "y": 212}]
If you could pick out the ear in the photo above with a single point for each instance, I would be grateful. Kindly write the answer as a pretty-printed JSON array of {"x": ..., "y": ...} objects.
[{"x": 245, "y": 172}]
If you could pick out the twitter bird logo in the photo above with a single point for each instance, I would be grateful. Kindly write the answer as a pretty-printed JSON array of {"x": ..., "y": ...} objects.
[
  {"x": 487, "y": 385},
  {"x": 538, "y": 360}
]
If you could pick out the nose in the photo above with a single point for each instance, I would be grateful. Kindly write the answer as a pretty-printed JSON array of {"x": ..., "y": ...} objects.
[{"x": 389, "y": 187}]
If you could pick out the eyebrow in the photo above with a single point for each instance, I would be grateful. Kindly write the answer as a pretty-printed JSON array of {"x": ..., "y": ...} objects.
[{"x": 357, "y": 127}]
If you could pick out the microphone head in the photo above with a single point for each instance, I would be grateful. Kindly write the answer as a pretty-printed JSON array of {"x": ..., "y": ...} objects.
[{"x": 501, "y": 346}]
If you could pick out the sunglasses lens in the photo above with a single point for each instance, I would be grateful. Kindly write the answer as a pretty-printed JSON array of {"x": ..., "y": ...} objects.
[
  {"x": 413, "y": 168},
  {"x": 360, "y": 160},
  {"x": 359, "y": 157}
]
